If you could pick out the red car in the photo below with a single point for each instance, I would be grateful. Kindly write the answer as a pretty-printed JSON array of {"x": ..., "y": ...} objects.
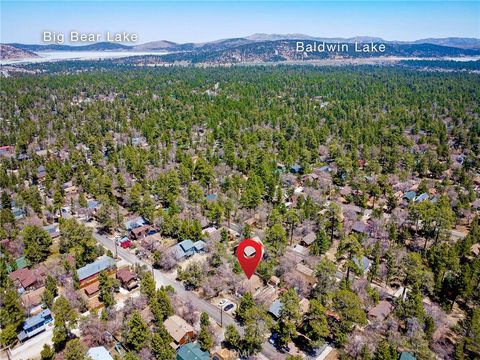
[{"x": 126, "y": 244}]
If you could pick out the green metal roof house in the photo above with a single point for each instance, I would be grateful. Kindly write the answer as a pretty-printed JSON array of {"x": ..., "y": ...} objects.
[
  {"x": 192, "y": 351},
  {"x": 20, "y": 263},
  {"x": 407, "y": 356}
]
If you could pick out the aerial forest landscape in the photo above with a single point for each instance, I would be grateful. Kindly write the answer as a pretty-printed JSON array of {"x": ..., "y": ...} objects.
[{"x": 129, "y": 182}]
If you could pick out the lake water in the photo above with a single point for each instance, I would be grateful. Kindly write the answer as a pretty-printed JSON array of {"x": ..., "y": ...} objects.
[{"x": 46, "y": 56}]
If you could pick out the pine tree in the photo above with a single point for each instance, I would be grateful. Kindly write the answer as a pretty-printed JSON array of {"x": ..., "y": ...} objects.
[
  {"x": 74, "y": 350},
  {"x": 8, "y": 335},
  {"x": 232, "y": 337},
  {"x": 47, "y": 298},
  {"x": 204, "y": 319},
  {"x": 11, "y": 311},
  {"x": 47, "y": 353},
  {"x": 315, "y": 323},
  {"x": 137, "y": 333},
  {"x": 205, "y": 339},
  {"x": 106, "y": 288},
  {"x": 385, "y": 351},
  {"x": 37, "y": 243},
  {"x": 51, "y": 285},
  {"x": 5, "y": 280},
  {"x": 321, "y": 243},
  {"x": 160, "y": 345},
  {"x": 365, "y": 353},
  {"x": 246, "y": 303},
  {"x": 147, "y": 286},
  {"x": 289, "y": 316}
]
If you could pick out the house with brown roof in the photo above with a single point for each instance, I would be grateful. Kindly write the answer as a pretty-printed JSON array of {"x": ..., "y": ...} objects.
[
  {"x": 140, "y": 232},
  {"x": 223, "y": 354},
  {"x": 127, "y": 278},
  {"x": 92, "y": 289},
  {"x": 380, "y": 311},
  {"x": 307, "y": 273},
  {"x": 181, "y": 331},
  {"x": 25, "y": 279},
  {"x": 32, "y": 300}
]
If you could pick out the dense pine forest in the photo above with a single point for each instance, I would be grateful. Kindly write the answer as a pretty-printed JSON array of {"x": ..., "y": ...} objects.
[{"x": 380, "y": 164}]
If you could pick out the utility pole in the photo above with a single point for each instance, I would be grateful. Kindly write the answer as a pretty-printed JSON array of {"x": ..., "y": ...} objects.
[{"x": 221, "y": 317}]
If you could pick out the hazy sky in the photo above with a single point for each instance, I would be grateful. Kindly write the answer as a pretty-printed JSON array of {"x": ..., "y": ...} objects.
[{"x": 198, "y": 21}]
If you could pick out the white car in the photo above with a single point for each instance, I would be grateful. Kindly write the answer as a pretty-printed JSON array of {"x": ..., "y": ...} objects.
[{"x": 223, "y": 302}]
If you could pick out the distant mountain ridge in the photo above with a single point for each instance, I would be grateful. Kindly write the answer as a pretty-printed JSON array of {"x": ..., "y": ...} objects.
[
  {"x": 285, "y": 50},
  {"x": 272, "y": 47},
  {"x": 165, "y": 45},
  {"x": 8, "y": 52},
  {"x": 464, "y": 43}
]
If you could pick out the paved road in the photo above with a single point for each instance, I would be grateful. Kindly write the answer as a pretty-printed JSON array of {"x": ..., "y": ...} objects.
[{"x": 167, "y": 279}]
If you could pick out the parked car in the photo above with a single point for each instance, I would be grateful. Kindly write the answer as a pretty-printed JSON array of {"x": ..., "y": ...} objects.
[
  {"x": 223, "y": 302},
  {"x": 126, "y": 244},
  {"x": 228, "y": 307},
  {"x": 273, "y": 338}
]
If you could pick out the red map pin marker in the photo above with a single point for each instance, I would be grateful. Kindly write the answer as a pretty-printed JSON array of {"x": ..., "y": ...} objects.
[{"x": 248, "y": 260}]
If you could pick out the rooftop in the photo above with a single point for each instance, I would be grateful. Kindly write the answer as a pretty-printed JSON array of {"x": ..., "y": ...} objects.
[
  {"x": 275, "y": 308},
  {"x": 381, "y": 310},
  {"x": 407, "y": 356},
  {"x": 192, "y": 351},
  {"x": 95, "y": 267},
  {"x": 186, "y": 245},
  {"x": 410, "y": 195},
  {"x": 177, "y": 327},
  {"x": 363, "y": 263},
  {"x": 99, "y": 353},
  {"x": 199, "y": 245},
  {"x": 125, "y": 275},
  {"x": 309, "y": 238},
  {"x": 36, "y": 319},
  {"x": 360, "y": 227},
  {"x": 134, "y": 223}
]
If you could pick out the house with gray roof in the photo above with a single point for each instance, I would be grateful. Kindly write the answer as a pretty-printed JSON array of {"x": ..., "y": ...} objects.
[
  {"x": 35, "y": 324},
  {"x": 363, "y": 263},
  {"x": 188, "y": 247},
  {"x": 178, "y": 252},
  {"x": 275, "y": 308},
  {"x": 99, "y": 353},
  {"x": 91, "y": 270},
  {"x": 199, "y": 246},
  {"x": 134, "y": 223},
  {"x": 360, "y": 227},
  {"x": 421, "y": 197}
]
